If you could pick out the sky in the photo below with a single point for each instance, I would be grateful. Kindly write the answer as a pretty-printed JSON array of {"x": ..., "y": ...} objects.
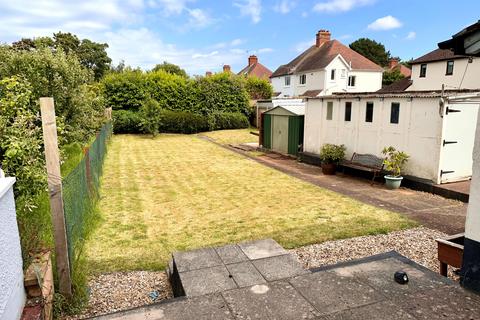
[{"x": 204, "y": 35}]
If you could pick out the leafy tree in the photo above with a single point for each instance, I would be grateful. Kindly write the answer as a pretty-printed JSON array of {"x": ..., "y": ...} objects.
[
  {"x": 151, "y": 116},
  {"x": 258, "y": 88},
  {"x": 392, "y": 76},
  {"x": 373, "y": 50},
  {"x": 94, "y": 56},
  {"x": 170, "y": 68},
  {"x": 24, "y": 44},
  {"x": 67, "y": 41}
]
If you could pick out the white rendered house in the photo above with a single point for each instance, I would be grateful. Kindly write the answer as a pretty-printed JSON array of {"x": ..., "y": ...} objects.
[{"x": 325, "y": 68}]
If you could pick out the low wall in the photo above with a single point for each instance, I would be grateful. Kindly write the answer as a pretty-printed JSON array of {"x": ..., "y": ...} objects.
[{"x": 12, "y": 292}]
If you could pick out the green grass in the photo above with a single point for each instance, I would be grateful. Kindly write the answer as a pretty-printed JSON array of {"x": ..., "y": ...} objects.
[
  {"x": 179, "y": 192},
  {"x": 236, "y": 136}
]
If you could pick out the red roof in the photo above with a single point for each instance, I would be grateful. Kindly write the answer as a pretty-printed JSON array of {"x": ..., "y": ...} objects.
[
  {"x": 407, "y": 72},
  {"x": 315, "y": 58},
  {"x": 257, "y": 70}
]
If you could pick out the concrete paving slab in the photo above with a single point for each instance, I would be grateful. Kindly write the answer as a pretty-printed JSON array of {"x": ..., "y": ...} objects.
[
  {"x": 262, "y": 249},
  {"x": 448, "y": 302},
  {"x": 231, "y": 253},
  {"x": 212, "y": 307},
  {"x": 206, "y": 281},
  {"x": 276, "y": 300},
  {"x": 245, "y": 274},
  {"x": 196, "y": 259},
  {"x": 377, "y": 311},
  {"x": 330, "y": 292},
  {"x": 279, "y": 267},
  {"x": 379, "y": 274}
]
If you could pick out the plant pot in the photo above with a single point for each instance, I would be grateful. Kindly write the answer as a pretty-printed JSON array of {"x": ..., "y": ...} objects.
[
  {"x": 329, "y": 168},
  {"x": 393, "y": 182}
]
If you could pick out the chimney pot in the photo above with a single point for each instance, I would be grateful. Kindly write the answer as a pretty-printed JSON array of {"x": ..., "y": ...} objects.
[
  {"x": 252, "y": 60},
  {"x": 226, "y": 68},
  {"x": 208, "y": 73},
  {"x": 323, "y": 36}
]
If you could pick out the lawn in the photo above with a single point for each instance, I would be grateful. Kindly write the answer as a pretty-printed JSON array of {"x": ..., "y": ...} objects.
[
  {"x": 178, "y": 192},
  {"x": 233, "y": 136}
]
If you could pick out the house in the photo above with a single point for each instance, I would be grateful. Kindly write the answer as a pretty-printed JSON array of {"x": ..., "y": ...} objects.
[
  {"x": 255, "y": 69},
  {"x": 420, "y": 115},
  {"x": 394, "y": 64},
  {"x": 466, "y": 41},
  {"x": 442, "y": 67},
  {"x": 326, "y": 67}
]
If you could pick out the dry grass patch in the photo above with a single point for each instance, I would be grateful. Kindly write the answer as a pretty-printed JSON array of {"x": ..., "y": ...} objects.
[
  {"x": 236, "y": 136},
  {"x": 178, "y": 192}
]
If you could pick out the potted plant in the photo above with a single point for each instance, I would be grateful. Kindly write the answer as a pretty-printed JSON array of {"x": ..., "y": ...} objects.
[
  {"x": 394, "y": 162},
  {"x": 331, "y": 155}
]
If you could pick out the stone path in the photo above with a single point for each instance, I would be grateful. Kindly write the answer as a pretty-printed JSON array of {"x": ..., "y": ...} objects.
[{"x": 361, "y": 289}]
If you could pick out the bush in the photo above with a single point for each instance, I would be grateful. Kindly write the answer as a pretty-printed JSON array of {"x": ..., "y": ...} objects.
[
  {"x": 126, "y": 121},
  {"x": 227, "y": 120},
  {"x": 151, "y": 116},
  {"x": 258, "y": 88},
  {"x": 125, "y": 90},
  {"x": 182, "y": 122},
  {"x": 395, "y": 160},
  {"x": 332, "y": 153}
]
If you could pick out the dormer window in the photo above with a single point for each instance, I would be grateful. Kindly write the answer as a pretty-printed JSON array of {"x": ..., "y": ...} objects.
[
  {"x": 303, "y": 79},
  {"x": 332, "y": 74},
  {"x": 449, "y": 68},
  {"x": 423, "y": 70}
]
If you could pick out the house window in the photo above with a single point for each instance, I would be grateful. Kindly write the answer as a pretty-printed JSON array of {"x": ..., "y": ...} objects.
[
  {"x": 332, "y": 74},
  {"x": 348, "y": 111},
  {"x": 344, "y": 73},
  {"x": 287, "y": 81},
  {"x": 423, "y": 70},
  {"x": 369, "y": 112},
  {"x": 303, "y": 79},
  {"x": 449, "y": 68},
  {"x": 351, "y": 81},
  {"x": 395, "y": 112},
  {"x": 329, "y": 110}
]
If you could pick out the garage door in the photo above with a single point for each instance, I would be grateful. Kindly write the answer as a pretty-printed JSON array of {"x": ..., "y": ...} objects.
[{"x": 280, "y": 133}]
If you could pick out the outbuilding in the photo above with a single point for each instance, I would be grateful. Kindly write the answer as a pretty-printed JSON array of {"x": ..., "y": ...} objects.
[{"x": 282, "y": 129}]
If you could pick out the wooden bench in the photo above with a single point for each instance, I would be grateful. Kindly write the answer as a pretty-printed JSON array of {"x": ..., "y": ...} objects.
[{"x": 365, "y": 162}]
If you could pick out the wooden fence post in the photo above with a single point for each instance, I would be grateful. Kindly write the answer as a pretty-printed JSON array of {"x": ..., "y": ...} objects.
[{"x": 54, "y": 177}]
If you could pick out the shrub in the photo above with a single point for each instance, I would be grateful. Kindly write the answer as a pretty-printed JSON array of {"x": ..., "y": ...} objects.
[
  {"x": 125, "y": 90},
  {"x": 258, "y": 88},
  {"x": 332, "y": 153},
  {"x": 126, "y": 121},
  {"x": 395, "y": 160},
  {"x": 150, "y": 118},
  {"x": 182, "y": 122},
  {"x": 227, "y": 120}
]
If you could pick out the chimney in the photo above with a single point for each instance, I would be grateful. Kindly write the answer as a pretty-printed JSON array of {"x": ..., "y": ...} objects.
[
  {"x": 208, "y": 73},
  {"x": 322, "y": 37},
  {"x": 252, "y": 60},
  {"x": 393, "y": 63},
  {"x": 226, "y": 68}
]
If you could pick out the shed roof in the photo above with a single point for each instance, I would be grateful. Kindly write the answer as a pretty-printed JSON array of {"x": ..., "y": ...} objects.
[
  {"x": 297, "y": 110},
  {"x": 399, "y": 94}
]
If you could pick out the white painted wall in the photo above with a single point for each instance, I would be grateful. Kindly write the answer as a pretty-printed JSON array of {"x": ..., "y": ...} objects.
[
  {"x": 472, "y": 224},
  {"x": 436, "y": 75},
  {"x": 366, "y": 81},
  {"x": 278, "y": 84},
  {"x": 12, "y": 293},
  {"x": 418, "y": 132}
]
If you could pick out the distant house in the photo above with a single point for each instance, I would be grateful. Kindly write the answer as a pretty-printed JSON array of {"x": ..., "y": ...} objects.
[
  {"x": 325, "y": 68},
  {"x": 443, "y": 67},
  {"x": 394, "y": 64},
  {"x": 255, "y": 68}
]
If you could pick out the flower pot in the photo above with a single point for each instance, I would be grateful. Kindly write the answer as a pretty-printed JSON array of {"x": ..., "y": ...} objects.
[
  {"x": 329, "y": 168},
  {"x": 393, "y": 182}
]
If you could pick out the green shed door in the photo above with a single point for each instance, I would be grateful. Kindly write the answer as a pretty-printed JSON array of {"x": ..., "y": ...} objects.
[
  {"x": 267, "y": 131},
  {"x": 295, "y": 134},
  {"x": 280, "y": 133}
]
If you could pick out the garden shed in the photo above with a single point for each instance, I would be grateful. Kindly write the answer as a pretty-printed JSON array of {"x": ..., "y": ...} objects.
[{"x": 283, "y": 129}]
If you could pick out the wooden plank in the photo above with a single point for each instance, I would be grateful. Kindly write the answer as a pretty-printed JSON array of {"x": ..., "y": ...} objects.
[{"x": 54, "y": 179}]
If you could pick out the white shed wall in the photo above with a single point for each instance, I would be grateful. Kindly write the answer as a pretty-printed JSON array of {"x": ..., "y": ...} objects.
[
  {"x": 12, "y": 293},
  {"x": 418, "y": 132}
]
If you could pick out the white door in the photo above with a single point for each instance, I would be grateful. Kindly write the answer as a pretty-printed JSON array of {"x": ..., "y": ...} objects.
[
  {"x": 280, "y": 133},
  {"x": 459, "y": 123}
]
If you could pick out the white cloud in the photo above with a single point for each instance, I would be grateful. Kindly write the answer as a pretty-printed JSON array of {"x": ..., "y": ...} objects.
[
  {"x": 199, "y": 18},
  {"x": 169, "y": 7},
  {"x": 284, "y": 6},
  {"x": 334, "y": 6},
  {"x": 251, "y": 8},
  {"x": 265, "y": 50},
  {"x": 304, "y": 45},
  {"x": 236, "y": 42},
  {"x": 411, "y": 35},
  {"x": 385, "y": 23},
  {"x": 204, "y": 55}
]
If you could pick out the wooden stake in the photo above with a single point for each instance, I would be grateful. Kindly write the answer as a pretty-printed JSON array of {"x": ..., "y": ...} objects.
[{"x": 52, "y": 157}]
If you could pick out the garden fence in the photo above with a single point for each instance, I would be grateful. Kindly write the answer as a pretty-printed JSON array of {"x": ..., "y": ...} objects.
[{"x": 81, "y": 192}]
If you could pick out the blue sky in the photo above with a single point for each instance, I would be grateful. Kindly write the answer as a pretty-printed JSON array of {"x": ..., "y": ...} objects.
[{"x": 203, "y": 35}]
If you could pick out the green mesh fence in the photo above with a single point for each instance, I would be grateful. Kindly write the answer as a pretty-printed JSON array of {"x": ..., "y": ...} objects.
[{"x": 81, "y": 192}]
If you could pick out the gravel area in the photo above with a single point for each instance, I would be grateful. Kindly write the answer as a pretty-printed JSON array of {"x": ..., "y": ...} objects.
[
  {"x": 417, "y": 244},
  {"x": 117, "y": 291}
]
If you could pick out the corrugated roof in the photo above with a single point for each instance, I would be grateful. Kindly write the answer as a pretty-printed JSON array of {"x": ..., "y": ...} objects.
[
  {"x": 315, "y": 58},
  {"x": 298, "y": 110},
  {"x": 401, "y": 94},
  {"x": 397, "y": 86}
]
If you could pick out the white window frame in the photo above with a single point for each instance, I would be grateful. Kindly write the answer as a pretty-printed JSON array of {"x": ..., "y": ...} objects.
[
  {"x": 354, "y": 81},
  {"x": 289, "y": 81},
  {"x": 304, "y": 77}
]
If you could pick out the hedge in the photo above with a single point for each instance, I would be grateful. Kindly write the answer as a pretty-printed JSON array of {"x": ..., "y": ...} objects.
[{"x": 126, "y": 121}]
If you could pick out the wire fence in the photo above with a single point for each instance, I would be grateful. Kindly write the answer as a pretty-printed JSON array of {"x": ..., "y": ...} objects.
[{"x": 81, "y": 192}]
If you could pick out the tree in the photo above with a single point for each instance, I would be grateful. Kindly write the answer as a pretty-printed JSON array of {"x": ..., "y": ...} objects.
[
  {"x": 258, "y": 88},
  {"x": 371, "y": 49},
  {"x": 170, "y": 68},
  {"x": 93, "y": 56},
  {"x": 391, "y": 76}
]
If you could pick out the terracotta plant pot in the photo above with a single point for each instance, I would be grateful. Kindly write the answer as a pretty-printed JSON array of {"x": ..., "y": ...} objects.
[{"x": 329, "y": 168}]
